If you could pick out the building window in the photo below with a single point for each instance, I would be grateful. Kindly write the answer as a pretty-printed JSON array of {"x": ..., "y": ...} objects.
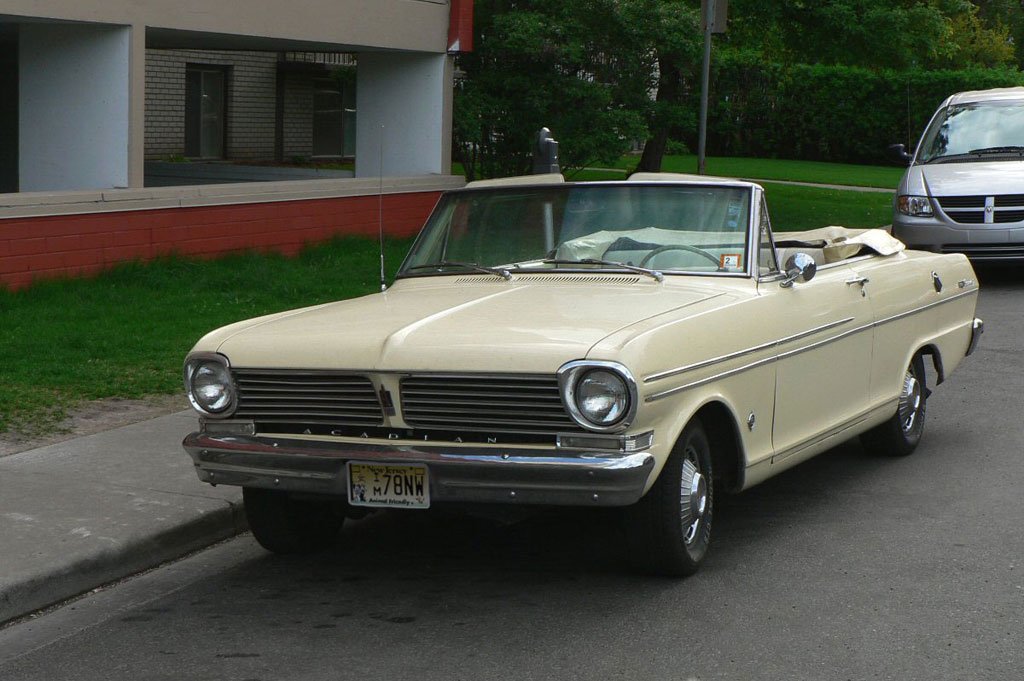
[
  {"x": 334, "y": 124},
  {"x": 205, "y": 111}
]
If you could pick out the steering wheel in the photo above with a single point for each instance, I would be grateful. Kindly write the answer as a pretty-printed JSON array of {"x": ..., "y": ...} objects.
[{"x": 680, "y": 247}]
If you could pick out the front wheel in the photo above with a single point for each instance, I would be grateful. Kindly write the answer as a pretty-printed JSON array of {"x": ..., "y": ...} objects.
[
  {"x": 669, "y": 530},
  {"x": 900, "y": 434},
  {"x": 282, "y": 524}
]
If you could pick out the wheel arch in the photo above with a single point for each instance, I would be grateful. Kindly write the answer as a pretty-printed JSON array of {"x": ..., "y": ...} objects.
[
  {"x": 932, "y": 350},
  {"x": 722, "y": 429}
]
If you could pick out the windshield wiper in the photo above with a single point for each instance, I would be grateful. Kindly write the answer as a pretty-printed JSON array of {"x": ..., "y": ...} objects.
[
  {"x": 998, "y": 150},
  {"x": 612, "y": 263},
  {"x": 975, "y": 153},
  {"x": 497, "y": 271}
]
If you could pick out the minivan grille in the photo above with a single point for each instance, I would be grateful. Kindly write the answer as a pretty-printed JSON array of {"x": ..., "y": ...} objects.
[
  {"x": 492, "y": 403},
  {"x": 987, "y": 251},
  {"x": 290, "y": 396},
  {"x": 971, "y": 210}
]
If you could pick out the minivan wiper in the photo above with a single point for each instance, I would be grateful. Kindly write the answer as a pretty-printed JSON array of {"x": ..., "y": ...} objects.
[
  {"x": 975, "y": 154},
  {"x": 497, "y": 271},
  {"x": 612, "y": 263},
  {"x": 998, "y": 150}
]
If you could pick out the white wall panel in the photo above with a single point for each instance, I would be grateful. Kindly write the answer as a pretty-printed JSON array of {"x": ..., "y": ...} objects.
[{"x": 73, "y": 106}]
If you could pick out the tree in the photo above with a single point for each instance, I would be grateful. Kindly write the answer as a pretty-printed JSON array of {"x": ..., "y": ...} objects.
[
  {"x": 571, "y": 66},
  {"x": 876, "y": 34},
  {"x": 673, "y": 34}
]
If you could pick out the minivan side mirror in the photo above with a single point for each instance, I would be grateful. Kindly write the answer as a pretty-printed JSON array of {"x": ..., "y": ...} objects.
[{"x": 898, "y": 153}]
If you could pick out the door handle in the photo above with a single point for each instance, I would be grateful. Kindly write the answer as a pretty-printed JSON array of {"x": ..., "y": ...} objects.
[{"x": 861, "y": 281}]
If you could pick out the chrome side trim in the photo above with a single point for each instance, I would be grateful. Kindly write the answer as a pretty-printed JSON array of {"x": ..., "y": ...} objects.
[
  {"x": 740, "y": 353},
  {"x": 826, "y": 341},
  {"x": 710, "y": 379},
  {"x": 796, "y": 351},
  {"x": 948, "y": 299}
]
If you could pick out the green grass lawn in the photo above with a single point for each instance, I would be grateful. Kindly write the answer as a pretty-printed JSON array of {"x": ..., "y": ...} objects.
[
  {"x": 779, "y": 169},
  {"x": 794, "y": 208},
  {"x": 126, "y": 332},
  {"x": 818, "y": 172}
]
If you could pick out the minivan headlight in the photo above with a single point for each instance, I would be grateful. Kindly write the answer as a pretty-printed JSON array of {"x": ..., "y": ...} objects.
[
  {"x": 600, "y": 396},
  {"x": 209, "y": 385},
  {"x": 915, "y": 206}
]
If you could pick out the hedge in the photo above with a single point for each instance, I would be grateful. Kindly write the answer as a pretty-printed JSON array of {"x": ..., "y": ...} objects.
[{"x": 827, "y": 113}]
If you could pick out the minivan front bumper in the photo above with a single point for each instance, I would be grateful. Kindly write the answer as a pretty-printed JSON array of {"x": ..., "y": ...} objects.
[{"x": 978, "y": 242}]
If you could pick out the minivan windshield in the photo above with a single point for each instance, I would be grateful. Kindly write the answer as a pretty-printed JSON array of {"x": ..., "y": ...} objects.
[
  {"x": 669, "y": 227},
  {"x": 975, "y": 131}
]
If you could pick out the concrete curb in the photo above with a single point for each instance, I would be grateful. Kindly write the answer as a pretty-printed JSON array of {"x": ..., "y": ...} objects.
[
  {"x": 89, "y": 511},
  {"x": 33, "y": 591}
]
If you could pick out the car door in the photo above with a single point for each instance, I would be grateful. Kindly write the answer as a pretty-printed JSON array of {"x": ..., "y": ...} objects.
[{"x": 824, "y": 350}]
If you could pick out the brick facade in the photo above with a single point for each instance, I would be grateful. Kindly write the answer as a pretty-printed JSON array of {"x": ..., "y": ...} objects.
[
  {"x": 72, "y": 245},
  {"x": 254, "y": 83},
  {"x": 251, "y": 101},
  {"x": 297, "y": 126}
]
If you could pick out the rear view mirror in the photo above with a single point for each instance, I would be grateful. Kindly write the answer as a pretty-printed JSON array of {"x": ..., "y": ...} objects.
[
  {"x": 800, "y": 267},
  {"x": 898, "y": 153}
]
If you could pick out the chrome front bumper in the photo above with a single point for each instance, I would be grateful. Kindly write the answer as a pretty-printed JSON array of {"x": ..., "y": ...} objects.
[{"x": 457, "y": 474}]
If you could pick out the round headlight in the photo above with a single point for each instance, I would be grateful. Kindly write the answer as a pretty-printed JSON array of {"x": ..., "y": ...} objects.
[
  {"x": 209, "y": 386},
  {"x": 602, "y": 397}
]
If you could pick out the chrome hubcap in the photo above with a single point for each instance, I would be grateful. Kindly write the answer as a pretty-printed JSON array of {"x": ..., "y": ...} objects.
[
  {"x": 910, "y": 402},
  {"x": 693, "y": 498}
]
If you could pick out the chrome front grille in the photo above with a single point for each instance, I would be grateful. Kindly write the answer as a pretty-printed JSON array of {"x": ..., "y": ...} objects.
[
  {"x": 978, "y": 210},
  {"x": 491, "y": 403},
  {"x": 289, "y": 396}
]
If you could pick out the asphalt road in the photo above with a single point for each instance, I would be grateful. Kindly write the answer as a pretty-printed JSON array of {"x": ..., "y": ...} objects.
[{"x": 848, "y": 567}]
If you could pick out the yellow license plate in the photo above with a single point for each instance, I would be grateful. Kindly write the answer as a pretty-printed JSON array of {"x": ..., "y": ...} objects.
[{"x": 388, "y": 485}]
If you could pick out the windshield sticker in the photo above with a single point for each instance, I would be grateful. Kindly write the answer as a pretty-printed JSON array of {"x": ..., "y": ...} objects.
[{"x": 730, "y": 260}]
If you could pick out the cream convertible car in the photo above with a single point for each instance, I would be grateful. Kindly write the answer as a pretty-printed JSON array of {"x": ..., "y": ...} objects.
[{"x": 633, "y": 344}]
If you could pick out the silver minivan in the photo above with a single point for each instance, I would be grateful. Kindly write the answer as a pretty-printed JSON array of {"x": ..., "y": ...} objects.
[{"x": 963, "y": 191}]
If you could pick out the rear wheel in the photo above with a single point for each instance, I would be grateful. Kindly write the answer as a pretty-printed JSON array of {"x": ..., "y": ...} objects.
[
  {"x": 282, "y": 524},
  {"x": 900, "y": 434},
  {"x": 669, "y": 529}
]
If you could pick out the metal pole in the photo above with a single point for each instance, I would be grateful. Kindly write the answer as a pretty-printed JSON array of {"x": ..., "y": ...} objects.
[{"x": 709, "y": 13}]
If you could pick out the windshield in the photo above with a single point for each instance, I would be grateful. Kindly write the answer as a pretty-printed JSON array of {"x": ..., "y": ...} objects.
[
  {"x": 667, "y": 227},
  {"x": 977, "y": 130}
]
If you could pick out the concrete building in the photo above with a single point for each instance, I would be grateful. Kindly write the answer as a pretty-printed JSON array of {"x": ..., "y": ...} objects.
[{"x": 94, "y": 88}]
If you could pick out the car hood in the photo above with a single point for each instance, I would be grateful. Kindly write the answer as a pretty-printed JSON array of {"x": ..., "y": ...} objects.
[
  {"x": 485, "y": 325},
  {"x": 965, "y": 179}
]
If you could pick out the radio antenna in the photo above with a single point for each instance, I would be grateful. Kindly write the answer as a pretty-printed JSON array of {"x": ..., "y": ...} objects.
[{"x": 380, "y": 207}]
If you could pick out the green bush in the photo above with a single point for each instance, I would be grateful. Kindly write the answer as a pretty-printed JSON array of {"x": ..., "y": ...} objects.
[{"x": 827, "y": 113}]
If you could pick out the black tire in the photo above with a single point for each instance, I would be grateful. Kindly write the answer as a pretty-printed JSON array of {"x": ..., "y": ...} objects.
[
  {"x": 284, "y": 525},
  {"x": 668, "y": 532},
  {"x": 900, "y": 434}
]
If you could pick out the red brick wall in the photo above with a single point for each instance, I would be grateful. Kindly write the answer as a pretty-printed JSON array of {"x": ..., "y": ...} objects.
[{"x": 68, "y": 245}]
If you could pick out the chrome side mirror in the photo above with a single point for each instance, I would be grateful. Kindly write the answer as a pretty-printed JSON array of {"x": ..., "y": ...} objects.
[{"x": 800, "y": 267}]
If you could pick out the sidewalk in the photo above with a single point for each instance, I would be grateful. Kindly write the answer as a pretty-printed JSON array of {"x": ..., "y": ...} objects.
[{"x": 88, "y": 511}]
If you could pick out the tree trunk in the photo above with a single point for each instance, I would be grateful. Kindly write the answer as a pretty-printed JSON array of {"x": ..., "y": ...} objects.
[{"x": 669, "y": 82}]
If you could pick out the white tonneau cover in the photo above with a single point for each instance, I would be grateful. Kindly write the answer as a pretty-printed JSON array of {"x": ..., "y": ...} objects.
[{"x": 840, "y": 243}]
